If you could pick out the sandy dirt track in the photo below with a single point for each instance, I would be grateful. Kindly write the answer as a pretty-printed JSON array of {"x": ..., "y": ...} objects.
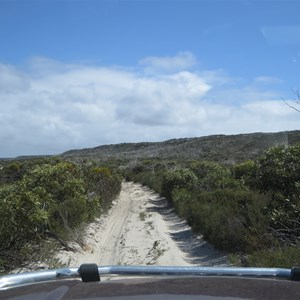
[{"x": 142, "y": 229}]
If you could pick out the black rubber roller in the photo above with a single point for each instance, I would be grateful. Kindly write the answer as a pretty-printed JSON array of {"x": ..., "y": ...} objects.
[{"x": 89, "y": 273}]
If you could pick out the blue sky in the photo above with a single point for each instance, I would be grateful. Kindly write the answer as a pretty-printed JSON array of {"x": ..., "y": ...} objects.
[{"x": 79, "y": 74}]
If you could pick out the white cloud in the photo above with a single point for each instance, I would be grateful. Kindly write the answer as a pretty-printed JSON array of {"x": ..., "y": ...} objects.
[
  {"x": 273, "y": 109},
  {"x": 163, "y": 100},
  {"x": 51, "y": 107},
  {"x": 183, "y": 60},
  {"x": 12, "y": 80}
]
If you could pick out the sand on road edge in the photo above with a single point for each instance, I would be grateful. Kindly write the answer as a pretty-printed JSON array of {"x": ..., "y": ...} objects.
[{"x": 142, "y": 229}]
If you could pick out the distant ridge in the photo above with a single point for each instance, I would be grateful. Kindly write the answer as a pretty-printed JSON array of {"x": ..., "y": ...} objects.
[
  {"x": 25, "y": 157},
  {"x": 227, "y": 149},
  {"x": 32, "y": 156}
]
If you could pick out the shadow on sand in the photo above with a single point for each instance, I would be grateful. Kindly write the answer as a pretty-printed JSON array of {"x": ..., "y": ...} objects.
[{"x": 197, "y": 250}]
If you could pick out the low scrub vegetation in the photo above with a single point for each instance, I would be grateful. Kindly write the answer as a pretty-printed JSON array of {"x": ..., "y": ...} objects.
[
  {"x": 48, "y": 199},
  {"x": 251, "y": 209}
]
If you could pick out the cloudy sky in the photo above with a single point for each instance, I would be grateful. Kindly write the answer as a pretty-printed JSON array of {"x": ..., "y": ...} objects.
[{"x": 77, "y": 74}]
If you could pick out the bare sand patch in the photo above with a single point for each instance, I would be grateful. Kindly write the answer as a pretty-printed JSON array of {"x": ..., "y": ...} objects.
[{"x": 142, "y": 229}]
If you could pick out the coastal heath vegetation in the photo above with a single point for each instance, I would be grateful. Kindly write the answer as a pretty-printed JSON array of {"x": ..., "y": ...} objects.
[
  {"x": 250, "y": 209},
  {"x": 49, "y": 198}
]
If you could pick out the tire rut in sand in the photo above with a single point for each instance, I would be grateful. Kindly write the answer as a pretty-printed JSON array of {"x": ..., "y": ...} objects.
[
  {"x": 115, "y": 226},
  {"x": 142, "y": 229},
  {"x": 148, "y": 232}
]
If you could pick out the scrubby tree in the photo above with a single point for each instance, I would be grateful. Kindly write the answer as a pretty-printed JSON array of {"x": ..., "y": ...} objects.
[
  {"x": 245, "y": 172},
  {"x": 279, "y": 171},
  {"x": 279, "y": 174},
  {"x": 212, "y": 176},
  {"x": 176, "y": 179},
  {"x": 52, "y": 198},
  {"x": 48, "y": 198}
]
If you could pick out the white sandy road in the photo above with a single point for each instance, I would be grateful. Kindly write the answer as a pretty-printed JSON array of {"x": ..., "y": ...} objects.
[{"x": 142, "y": 229}]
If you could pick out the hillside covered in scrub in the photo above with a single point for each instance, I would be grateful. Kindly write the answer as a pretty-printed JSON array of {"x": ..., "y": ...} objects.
[
  {"x": 226, "y": 149},
  {"x": 250, "y": 209},
  {"x": 244, "y": 202}
]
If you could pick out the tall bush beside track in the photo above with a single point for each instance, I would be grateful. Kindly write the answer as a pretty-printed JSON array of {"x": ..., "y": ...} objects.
[
  {"x": 148, "y": 172},
  {"x": 53, "y": 198},
  {"x": 231, "y": 220},
  {"x": 102, "y": 183},
  {"x": 64, "y": 190},
  {"x": 279, "y": 171},
  {"x": 176, "y": 179},
  {"x": 246, "y": 173},
  {"x": 218, "y": 206},
  {"x": 279, "y": 175},
  {"x": 252, "y": 207},
  {"x": 213, "y": 176}
]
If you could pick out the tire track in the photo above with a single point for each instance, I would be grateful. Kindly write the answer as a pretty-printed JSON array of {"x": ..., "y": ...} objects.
[{"x": 142, "y": 229}]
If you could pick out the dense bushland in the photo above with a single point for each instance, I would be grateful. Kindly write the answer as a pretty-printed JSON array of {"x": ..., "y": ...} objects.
[
  {"x": 49, "y": 198},
  {"x": 251, "y": 209}
]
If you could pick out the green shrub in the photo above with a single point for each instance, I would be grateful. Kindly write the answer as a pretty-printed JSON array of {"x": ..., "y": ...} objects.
[
  {"x": 180, "y": 178},
  {"x": 54, "y": 197},
  {"x": 279, "y": 175},
  {"x": 22, "y": 216},
  {"x": 213, "y": 176},
  {"x": 279, "y": 171},
  {"x": 231, "y": 220},
  {"x": 246, "y": 173},
  {"x": 62, "y": 184},
  {"x": 285, "y": 257},
  {"x": 102, "y": 184},
  {"x": 183, "y": 201}
]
